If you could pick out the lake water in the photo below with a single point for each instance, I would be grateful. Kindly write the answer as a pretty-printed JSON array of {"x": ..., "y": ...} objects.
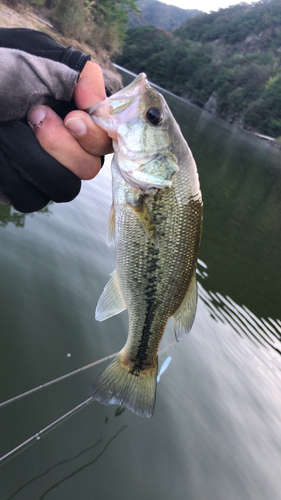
[{"x": 216, "y": 430}]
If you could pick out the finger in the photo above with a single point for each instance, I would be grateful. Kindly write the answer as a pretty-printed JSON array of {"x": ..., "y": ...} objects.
[
  {"x": 56, "y": 140},
  {"x": 91, "y": 137},
  {"x": 90, "y": 89},
  {"x": 28, "y": 179}
]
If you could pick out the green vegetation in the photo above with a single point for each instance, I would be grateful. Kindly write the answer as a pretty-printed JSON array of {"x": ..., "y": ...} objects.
[
  {"x": 233, "y": 56},
  {"x": 234, "y": 24},
  {"x": 100, "y": 23},
  {"x": 160, "y": 15},
  {"x": 110, "y": 18}
]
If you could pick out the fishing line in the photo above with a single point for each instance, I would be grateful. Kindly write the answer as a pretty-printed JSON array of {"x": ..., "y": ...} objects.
[
  {"x": 37, "y": 435},
  {"x": 42, "y": 386},
  {"x": 63, "y": 377},
  {"x": 49, "y": 427}
]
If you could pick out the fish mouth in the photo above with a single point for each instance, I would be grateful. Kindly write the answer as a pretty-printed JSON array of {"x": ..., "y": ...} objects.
[
  {"x": 121, "y": 100},
  {"x": 105, "y": 114},
  {"x": 136, "y": 87}
]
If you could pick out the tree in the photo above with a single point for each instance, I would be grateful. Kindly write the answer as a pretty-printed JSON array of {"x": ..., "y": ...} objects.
[
  {"x": 265, "y": 113},
  {"x": 99, "y": 22},
  {"x": 110, "y": 18}
]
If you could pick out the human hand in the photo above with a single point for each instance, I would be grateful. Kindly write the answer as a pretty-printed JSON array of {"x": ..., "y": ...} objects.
[
  {"x": 37, "y": 72},
  {"x": 75, "y": 142}
]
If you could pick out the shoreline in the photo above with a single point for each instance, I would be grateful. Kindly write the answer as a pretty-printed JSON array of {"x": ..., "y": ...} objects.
[
  {"x": 273, "y": 142},
  {"x": 35, "y": 17}
]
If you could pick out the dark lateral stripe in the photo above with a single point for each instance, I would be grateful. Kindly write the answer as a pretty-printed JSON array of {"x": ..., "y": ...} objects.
[
  {"x": 153, "y": 264},
  {"x": 140, "y": 360}
]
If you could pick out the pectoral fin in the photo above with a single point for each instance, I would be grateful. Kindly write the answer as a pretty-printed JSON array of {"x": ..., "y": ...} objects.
[
  {"x": 110, "y": 233},
  {"x": 184, "y": 316},
  {"x": 111, "y": 301},
  {"x": 146, "y": 220}
]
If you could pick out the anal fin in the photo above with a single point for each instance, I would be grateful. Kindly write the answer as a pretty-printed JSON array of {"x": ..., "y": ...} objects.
[
  {"x": 111, "y": 301},
  {"x": 184, "y": 316}
]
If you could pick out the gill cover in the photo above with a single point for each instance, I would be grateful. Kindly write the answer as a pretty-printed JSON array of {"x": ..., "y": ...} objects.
[{"x": 137, "y": 118}]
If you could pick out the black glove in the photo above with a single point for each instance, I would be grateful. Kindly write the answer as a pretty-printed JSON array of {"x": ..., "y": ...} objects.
[{"x": 35, "y": 70}]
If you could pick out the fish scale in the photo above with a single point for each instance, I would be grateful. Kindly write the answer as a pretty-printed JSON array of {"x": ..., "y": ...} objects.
[{"x": 157, "y": 223}]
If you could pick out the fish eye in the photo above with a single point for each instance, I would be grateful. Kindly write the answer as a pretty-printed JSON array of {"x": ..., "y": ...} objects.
[{"x": 154, "y": 116}]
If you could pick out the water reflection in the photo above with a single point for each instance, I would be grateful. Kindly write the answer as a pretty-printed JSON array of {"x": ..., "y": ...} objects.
[
  {"x": 9, "y": 214},
  {"x": 85, "y": 465},
  {"x": 63, "y": 462},
  {"x": 216, "y": 429},
  {"x": 264, "y": 334},
  {"x": 53, "y": 467},
  {"x": 240, "y": 178}
]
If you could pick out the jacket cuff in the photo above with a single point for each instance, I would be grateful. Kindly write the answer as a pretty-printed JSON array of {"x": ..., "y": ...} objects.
[{"x": 75, "y": 59}]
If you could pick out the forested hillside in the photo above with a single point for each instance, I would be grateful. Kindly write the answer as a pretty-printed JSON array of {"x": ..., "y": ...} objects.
[
  {"x": 227, "y": 61},
  {"x": 160, "y": 15},
  {"x": 99, "y": 23}
]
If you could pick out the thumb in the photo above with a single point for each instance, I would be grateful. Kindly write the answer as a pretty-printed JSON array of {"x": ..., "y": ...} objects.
[{"x": 90, "y": 89}]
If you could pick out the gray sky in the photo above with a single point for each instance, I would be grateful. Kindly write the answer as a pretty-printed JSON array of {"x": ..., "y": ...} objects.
[{"x": 205, "y": 5}]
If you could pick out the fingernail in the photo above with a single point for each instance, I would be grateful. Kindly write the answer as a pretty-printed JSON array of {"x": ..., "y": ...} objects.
[
  {"x": 36, "y": 116},
  {"x": 76, "y": 127}
]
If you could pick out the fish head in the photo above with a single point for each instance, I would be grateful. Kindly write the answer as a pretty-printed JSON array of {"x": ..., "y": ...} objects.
[{"x": 141, "y": 125}]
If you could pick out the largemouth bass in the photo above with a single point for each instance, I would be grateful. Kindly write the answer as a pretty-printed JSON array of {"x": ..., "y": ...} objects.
[{"x": 156, "y": 219}]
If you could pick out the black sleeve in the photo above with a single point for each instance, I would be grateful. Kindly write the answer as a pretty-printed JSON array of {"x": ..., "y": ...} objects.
[
  {"x": 35, "y": 69},
  {"x": 40, "y": 44}
]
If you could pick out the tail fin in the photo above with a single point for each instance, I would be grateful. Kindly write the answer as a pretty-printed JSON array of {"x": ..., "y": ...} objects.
[{"x": 118, "y": 385}]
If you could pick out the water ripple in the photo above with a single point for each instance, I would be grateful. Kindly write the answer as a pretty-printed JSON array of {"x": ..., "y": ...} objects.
[{"x": 260, "y": 338}]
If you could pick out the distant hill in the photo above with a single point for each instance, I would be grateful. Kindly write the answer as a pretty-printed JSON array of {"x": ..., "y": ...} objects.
[
  {"x": 228, "y": 62},
  {"x": 234, "y": 24},
  {"x": 160, "y": 15}
]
